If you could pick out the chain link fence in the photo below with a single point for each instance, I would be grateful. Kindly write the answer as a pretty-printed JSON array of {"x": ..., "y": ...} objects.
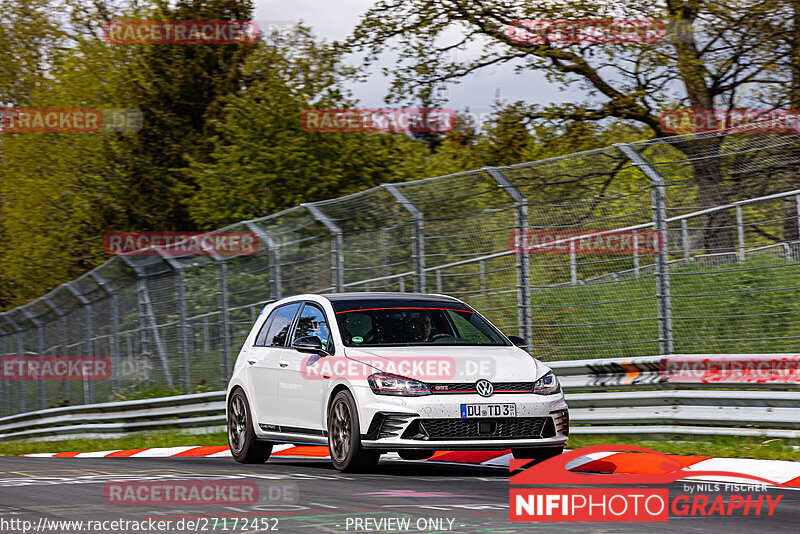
[{"x": 725, "y": 276}]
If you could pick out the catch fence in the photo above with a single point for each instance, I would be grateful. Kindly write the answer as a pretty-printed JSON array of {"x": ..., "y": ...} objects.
[{"x": 721, "y": 275}]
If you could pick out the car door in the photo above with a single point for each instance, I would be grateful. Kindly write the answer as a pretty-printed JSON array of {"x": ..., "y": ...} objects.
[
  {"x": 263, "y": 363},
  {"x": 302, "y": 390}
]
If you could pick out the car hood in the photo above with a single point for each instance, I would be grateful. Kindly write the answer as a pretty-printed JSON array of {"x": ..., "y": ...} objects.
[{"x": 449, "y": 364}]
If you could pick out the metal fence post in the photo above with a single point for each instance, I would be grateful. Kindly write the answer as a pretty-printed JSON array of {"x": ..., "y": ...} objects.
[
  {"x": 482, "y": 276},
  {"x": 573, "y": 262},
  {"x": 20, "y": 352},
  {"x": 274, "y": 258},
  {"x": 39, "y": 352},
  {"x": 147, "y": 315},
  {"x": 417, "y": 235},
  {"x": 797, "y": 201},
  {"x": 183, "y": 338},
  {"x": 3, "y": 384},
  {"x": 225, "y": 327},
  {"x": 87, "y": 351},
  {"x": 740, "y": 232},
  {"x": 62, "y": 331},
  {"x": 523, "y": 261},
  {"x": 337, "y": 245},
  {"x": 21, "y": 388},
  {"x": 115, "y": 342},
  {"x": 687, "y": 253},
  {"x": 663, "y": 293}
]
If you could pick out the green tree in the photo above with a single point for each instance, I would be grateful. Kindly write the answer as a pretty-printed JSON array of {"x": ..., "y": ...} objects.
[
  {"x": 714, "y": 55},
  {"x": 178, "y": 88},
  {"x": 264, "y": 161}
]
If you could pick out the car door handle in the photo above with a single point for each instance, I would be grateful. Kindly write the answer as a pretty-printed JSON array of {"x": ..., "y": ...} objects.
[
  {"x": 251, "y": 362},
  {"x": 283, "y": 364}
]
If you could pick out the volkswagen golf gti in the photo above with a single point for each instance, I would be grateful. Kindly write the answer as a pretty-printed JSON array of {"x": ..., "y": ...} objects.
[{"x": 371, "y": 373}]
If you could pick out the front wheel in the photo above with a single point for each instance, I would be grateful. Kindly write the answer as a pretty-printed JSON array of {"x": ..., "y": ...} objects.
[
  {"x": 539, "y": 454},
  {"x": 344, "y": 437},
  {"x": 245, "y": 448}
]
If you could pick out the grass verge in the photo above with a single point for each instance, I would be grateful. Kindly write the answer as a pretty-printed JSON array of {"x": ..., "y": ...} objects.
[
  {"x": 141, "y": 441},
  {"x": 718, "y": 446}
]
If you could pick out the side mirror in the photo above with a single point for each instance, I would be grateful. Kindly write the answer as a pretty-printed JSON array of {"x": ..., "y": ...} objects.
[
  {"x": 310, "y": 345},
  {"x": 517, "y": 341}
]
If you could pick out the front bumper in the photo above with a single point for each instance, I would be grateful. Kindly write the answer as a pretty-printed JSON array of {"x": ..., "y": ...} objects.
[{"x": 434, "y": 422}]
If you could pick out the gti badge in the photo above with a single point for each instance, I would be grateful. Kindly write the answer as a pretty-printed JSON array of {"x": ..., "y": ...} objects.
[{"x": 484, "y": 388}]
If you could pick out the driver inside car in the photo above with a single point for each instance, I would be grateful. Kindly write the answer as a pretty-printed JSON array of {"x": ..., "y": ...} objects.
[{"x": 423, "y": 327}]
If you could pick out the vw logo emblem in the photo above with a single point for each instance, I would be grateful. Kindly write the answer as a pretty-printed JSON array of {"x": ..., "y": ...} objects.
[{"x": 484, "y": 388}]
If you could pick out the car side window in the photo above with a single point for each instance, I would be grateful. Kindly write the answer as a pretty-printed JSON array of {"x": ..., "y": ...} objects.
[
  {"x": 280, "y": 325},
  {"x": 312, "y": 322},
  {"x": 261, "y": 338}
]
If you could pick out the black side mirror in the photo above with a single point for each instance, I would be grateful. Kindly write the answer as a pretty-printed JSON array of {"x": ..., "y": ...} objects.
[
  {"x": 517, "y": 341},
  {"x": 310, "y": 345}
]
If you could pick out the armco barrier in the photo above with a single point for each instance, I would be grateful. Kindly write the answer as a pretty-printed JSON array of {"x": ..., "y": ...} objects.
[{"x": 757, "y": 395}]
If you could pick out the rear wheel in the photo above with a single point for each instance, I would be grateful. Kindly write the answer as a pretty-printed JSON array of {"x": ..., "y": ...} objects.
[
  {"x": 344, "y": 437},
  {"x": 415, "y": 454},
  {"x": 539, "y": 454},
  {"x": 245, "y": 448}
]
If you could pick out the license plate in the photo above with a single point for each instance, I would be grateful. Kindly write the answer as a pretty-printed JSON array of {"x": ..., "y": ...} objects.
[{"x": 488, "y": 410}]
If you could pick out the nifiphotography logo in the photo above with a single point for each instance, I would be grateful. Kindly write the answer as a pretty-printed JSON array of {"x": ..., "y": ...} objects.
[{"x": 602, "y": 499}]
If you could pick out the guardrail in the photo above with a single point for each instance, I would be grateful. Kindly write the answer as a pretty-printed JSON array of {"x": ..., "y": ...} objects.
[{"x": 737, "y": 395}]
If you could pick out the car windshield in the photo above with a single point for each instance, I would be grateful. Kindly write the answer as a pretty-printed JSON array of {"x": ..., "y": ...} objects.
[{"x": 405, "y": 322}]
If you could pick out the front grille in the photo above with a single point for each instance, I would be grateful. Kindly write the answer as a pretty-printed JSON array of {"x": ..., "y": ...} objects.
[
  {"x": 499, "y": 387},
  {"x": 504, "y": 428}
]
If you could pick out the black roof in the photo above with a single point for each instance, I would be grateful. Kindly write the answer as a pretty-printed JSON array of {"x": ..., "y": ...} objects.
[{"x": 358, "y": 295}]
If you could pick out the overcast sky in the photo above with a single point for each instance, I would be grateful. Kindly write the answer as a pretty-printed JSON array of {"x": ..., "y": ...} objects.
[{"x": 335, "y": 20}]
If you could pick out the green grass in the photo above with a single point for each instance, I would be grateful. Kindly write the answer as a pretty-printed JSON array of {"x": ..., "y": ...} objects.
[
  {"x": 139, "y": 441},
  {"x": 568, "y": 318},
  {"x": 719, "y": 446}
]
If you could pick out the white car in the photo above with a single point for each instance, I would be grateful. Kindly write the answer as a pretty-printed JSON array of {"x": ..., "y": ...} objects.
[{"x": 369, "y": 373}]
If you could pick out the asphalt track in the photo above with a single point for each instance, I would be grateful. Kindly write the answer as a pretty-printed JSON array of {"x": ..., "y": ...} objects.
[{"x": 308, "y": 495}]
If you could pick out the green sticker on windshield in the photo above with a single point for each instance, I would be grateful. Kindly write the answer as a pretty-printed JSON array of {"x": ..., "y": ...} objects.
[{"x": 358, "y": 339}]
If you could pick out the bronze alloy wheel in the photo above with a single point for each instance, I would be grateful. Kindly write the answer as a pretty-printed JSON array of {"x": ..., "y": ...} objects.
[
  {"x": 344, "y": 438},
  {"x": 245, "y": 447}
]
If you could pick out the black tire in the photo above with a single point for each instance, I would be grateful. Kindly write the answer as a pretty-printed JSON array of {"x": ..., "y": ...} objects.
[
  {"x": 245, "y": 448},
  {"x": 344, "y": 437},
  {"x": 415, "y": 454},
  {"x": 539, "y": 454}
]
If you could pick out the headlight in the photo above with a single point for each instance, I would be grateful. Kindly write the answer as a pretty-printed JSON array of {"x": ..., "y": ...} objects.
[
  {"x": 547, "y": 385},
  {"x": 386, "y": 384}
]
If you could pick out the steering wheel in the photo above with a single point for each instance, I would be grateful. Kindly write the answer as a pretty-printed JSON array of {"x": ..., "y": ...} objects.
[{"x": 440, "y": 335}]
